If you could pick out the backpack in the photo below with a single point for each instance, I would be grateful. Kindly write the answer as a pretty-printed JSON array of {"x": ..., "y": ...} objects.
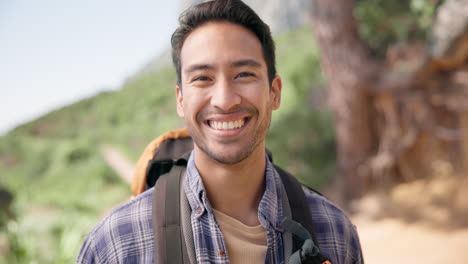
[{"x": 163, "y": 164}]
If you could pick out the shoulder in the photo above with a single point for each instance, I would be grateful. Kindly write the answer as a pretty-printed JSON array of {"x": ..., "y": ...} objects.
[
  {"x": 337, "y": 236},
  {"x": 123, "y": 236}
]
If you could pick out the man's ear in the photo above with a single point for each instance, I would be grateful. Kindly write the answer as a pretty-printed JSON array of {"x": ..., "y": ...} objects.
[
  {"x": 275, "y": 93},
  {"x": 180, "y": 99}
]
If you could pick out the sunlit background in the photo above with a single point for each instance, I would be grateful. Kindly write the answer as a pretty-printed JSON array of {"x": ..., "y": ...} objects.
[{"x": 55, "y": 52}]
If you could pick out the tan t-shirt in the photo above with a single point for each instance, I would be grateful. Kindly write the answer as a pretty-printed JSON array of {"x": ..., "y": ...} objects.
[{"x": 245, "y": 244}]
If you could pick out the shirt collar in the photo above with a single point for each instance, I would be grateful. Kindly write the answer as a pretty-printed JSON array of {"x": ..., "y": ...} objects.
[{"x": 270, "y": 209}]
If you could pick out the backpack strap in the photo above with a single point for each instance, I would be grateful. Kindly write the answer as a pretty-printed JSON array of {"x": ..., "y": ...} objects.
[
  {"x": 287, "y": 235},
  {"x": 298, "y": 203},
  {"x": 305, "y": 246},
  {"x": 187, "y": 225},
  {"x": 168, "y": 237}
]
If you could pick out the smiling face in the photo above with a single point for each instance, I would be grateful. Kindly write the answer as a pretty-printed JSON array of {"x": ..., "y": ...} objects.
[{"x": 225, "y": 96}]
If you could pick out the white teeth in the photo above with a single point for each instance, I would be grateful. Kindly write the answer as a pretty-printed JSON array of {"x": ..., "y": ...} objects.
[{"x": 226, "y": 125}]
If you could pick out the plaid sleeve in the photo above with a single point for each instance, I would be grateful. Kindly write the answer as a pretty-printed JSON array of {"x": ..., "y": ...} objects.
[
  {"x": 87, "y": 253},
  {"x": 124, "y": 236},
  {"x": 336, "y": 235},
  {"x": 356, "y": 251}
]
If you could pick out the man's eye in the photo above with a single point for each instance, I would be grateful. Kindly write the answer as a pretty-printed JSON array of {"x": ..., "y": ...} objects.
[
  {"x": 201, "y": 78},
  {"x": 245, "y": 74}
]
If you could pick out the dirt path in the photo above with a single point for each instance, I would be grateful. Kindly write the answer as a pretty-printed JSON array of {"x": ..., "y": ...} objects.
[
  {"x": 117, "y": 161},
  {"x": 394, "y": 241}
]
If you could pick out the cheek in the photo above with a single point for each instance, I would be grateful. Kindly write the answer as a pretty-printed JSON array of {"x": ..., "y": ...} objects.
[
  {"x": 260, "y": 98},
  {"x": 256, "y": 92},
  {"x": 193, "y": 103}
]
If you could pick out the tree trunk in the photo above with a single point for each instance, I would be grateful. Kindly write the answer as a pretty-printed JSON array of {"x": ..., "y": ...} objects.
[
  {"x": 400, "y": 119},
  {"x": 345, "y": 61}
]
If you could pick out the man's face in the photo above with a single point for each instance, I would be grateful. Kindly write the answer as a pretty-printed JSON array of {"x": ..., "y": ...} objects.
[{"x": 225, "y": 96}]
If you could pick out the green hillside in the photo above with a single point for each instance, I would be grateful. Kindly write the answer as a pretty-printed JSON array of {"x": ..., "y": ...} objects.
[{"x": 62, "y": 186}]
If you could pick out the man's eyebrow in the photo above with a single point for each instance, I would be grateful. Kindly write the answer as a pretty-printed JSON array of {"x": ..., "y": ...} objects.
[
  {"x": 246, "y": 62},
  {"x": 198, "y": 67}
]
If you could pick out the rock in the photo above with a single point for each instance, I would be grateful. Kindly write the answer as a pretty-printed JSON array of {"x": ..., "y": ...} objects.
[
  {"x": 280, "y": 15},
  {"x": 450, "y": 24}
]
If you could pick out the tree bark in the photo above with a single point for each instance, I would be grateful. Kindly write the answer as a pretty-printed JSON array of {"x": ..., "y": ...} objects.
[{"x": 346, "y": 62}]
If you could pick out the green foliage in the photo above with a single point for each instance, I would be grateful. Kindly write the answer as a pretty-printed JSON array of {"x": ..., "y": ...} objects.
[
  {"x": 56, "y": 172},
  {"x": 60, "y": 186},
  {"x": 301, "y": 136},
  {"x": 48, "y": 238},
  {"x": 382, "y": 22}
]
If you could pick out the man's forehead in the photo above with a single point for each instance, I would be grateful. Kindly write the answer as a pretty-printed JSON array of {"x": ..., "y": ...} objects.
[{"x": 221, "y": 42}]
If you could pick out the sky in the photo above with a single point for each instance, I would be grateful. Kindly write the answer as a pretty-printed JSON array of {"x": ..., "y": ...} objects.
[{"x": 55, "y": 52}]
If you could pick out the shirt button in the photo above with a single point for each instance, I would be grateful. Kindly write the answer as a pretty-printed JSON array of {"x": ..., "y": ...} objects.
[
  {"x": 198, "y": 211},
  {"x": 221, "y": 253}
]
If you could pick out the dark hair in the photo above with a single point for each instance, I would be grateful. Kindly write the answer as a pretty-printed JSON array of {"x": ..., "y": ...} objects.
[{"x": 233, "y": 11}]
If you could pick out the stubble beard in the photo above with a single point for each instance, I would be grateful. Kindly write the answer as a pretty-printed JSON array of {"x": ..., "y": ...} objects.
[{"x": 225, "y": 158}]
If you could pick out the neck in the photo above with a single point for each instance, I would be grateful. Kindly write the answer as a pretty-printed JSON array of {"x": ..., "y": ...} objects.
[{"x": 235, "y": 190}]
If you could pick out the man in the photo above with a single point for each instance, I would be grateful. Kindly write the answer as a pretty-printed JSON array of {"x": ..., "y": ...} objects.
[{"x": 227, "y": 87}]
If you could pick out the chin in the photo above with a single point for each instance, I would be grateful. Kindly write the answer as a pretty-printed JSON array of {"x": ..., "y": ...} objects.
[{"x": 228, "y": 158}]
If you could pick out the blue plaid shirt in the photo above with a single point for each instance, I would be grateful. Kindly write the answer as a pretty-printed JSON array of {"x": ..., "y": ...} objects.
[{"x": 126, "y": 235}]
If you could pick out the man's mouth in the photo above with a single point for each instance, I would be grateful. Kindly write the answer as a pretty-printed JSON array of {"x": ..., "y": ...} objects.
[{"x": 227, "y": 125}]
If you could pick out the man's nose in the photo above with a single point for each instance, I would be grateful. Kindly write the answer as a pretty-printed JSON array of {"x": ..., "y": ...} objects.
[{"x": 225, "y": 96}]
